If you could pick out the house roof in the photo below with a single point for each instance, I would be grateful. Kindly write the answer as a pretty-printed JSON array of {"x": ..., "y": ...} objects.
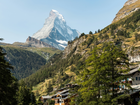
[
  {"x": 47, "y": 97},
  {"x": 134, "y": 70},
  {"x": 136, "y": 89},
  {"x": 62, "y": 89},
  {"x": 60, "y": 92}
]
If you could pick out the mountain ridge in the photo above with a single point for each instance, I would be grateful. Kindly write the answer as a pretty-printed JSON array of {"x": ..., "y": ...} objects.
[
  {"x": 55, "y": 31},
  {"x": 129, "y": 7}
]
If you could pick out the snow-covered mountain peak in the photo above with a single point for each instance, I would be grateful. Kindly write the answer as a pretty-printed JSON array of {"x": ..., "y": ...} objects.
[
  {"x": 55, "y": 31},
  {"x": 54, "y": 14}
]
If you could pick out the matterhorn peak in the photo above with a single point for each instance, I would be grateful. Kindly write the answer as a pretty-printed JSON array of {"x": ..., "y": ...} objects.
[
  {"x": 55, "y": 31},
  {"x": 54, "y": 14}
]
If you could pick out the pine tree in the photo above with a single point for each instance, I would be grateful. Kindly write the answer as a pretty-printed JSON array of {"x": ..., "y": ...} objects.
[
  {"x": 49, "y": 87},
  {"x": 99, "y": 30},
  {"x": 8, "y": 84},
  {"x": 102, "y": 74},
  {"x": 90, "y": 32},
  {"x": 25, "y": 95}
]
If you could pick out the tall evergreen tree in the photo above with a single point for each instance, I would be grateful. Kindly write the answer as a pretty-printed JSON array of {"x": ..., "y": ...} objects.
[
  {"x": 90, "y": 32},
  {"x": 101, "y": 76},
  {"x": 25, "y": 95},
  {"x": 8, "y": 84},
  {"x": 49, "y": 87}
]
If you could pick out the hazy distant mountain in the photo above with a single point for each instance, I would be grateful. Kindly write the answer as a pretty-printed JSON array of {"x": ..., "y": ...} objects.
[{"x": 55, "y": 31}]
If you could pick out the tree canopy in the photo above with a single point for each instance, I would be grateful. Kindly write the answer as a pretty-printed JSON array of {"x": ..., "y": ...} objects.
[
  {"x": 8, "y": 84},
  {"x": 101, "y": 76}
]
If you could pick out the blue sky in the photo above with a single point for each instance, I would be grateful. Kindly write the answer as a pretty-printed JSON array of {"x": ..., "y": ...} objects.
[{"x": 22, "y": 18}]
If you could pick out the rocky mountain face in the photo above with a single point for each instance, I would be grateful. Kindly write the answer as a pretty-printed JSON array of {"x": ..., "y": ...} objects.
[
  {"x": 55, "y": 31},
  {"x": 32, "y": 42},
  {"x": 129, "y": 7},
  {"x": 74, "y": 47}
]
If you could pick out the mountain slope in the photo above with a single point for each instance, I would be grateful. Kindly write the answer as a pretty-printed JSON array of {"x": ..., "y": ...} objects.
[
  {"x": 25, "y": 62},
  {"x": 129, "y": 7},
  {"x": 124, "y": 33},
  {"x": 55, "y": 31}
]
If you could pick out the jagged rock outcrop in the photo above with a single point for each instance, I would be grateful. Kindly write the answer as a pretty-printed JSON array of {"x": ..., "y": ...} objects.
[
  {"x": 129, "y": 7},
  {"x": 130, "y": 2},
  {"x": 36, "y": 43},
  {"x": 73, "y": 47}
]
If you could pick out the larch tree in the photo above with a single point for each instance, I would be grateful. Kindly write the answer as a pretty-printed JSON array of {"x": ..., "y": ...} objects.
[{"x": 102, "y": 75}]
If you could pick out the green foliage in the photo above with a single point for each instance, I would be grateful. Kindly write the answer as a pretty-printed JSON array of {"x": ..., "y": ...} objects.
[
  {"x": 25, "y": 62},
  {"x": 51, "y": 68},
  {"x": 65, "y": 77},
  {"x": 106, "y": 37},
  {"x": 70, "y": 42},
  {"x": 8, "y": 84},
  {"x": 100, "y": 74},
  {"x": 137, "y": 37},
  {"x": 51, "y": 102},
  {"x": 25, "y": 96},
  {"x": 139, "y": 103},
  {"x": 99, "y": 30},
  {"x": 83, "y": 34},
  {"x": 123, "y": 33},
  {"x": 95, "y": 32},
  {"x": 39, "y": 102},
  {"x": 49, "y": 87},
  {"x": 100, "y": 36},
  {"x": 90, "y": 32},
  {"x": 90, "y": 40},
  {"x": 73, "y": 68}
]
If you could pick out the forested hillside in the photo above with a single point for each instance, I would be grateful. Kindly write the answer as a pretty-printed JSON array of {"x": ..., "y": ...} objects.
[
  {"x": 25, "y": 62},
  {"x": 55, "y": 66}
]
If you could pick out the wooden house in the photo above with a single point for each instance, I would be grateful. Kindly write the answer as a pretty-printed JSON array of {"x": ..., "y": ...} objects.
[
  {"x": 134, "y": 80},
  {"x": 61, "y": 98},
  {"x": 45, "y": 98}
]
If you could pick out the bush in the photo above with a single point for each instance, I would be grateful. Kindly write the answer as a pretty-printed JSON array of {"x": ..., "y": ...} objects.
[
  {"x": 51, "y": 102},
  {"x": 83, "y": 34},
  {"x": 90, "y": 32}
]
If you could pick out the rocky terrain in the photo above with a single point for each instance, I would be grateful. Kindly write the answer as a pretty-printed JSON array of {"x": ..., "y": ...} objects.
[
  {"x": 36, "y": 43},
  {"x": 129, "y": 7}
]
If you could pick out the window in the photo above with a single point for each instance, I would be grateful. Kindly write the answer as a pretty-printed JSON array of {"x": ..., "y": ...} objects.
[
  {"x": 139, "y": 78},
  {"x": 136, "y": 78}
]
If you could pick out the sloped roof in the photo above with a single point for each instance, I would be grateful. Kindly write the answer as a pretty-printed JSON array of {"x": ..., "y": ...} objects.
[
  {"x": 61, "y": 92},
  {"x": 132, "y": 71},
  {"x": 46, "y": 97}
]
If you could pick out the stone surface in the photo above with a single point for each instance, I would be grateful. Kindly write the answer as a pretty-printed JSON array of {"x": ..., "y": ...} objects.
[
  {"x": 36, "y": 43},
  {"x": 129, "y": 7}
]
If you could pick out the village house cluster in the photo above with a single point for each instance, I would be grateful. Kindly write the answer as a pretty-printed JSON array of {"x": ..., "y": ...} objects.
[{"x": 62, "y": 97}]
